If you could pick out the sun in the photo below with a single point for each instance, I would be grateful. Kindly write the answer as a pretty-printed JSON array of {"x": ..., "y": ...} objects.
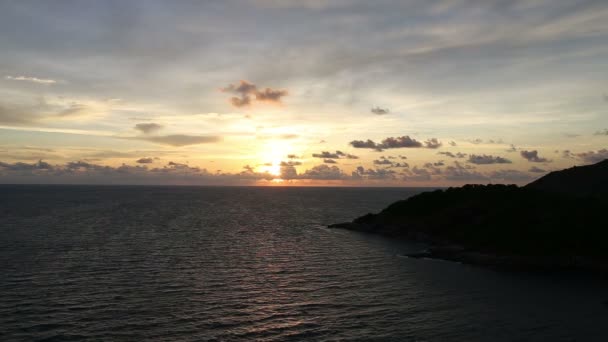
[
  {"x": 274, "y": 169},
  {"x": 273, "y": 154}
]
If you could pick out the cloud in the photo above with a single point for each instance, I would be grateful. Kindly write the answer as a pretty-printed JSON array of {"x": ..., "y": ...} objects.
[
  {"x": 29, "y": 153},
  {"x": 79, "y": 165},
  {"x": 399, "y": 142},
  {"x": 432, "y": 143},
  {"x": 31, "y": 79},
  {"x": 19, "y": 166},
  {"x": 291, "y": 163},
  {"x": 288, "y": 171},
  {"x": 452, "y": 155},
  {"x": 380, "y": 111},
  {"x": 285, "y": 136},
  {"x": 363, "y": 144},
  {"x": 535, "y": 169},
  {"x": 383, "y": 162},
  {"x": 182, "y": 166},
  {"x": 81, "y": 172},
  {"x": 417, "y": 174},
  {"x": 114, "y": 154},
  {"x": 14, "y": 115},
  {"x": 568, "y": 154},
  {"x": 147, "y": 128},
  {"x": 319, "y": 172},
  {"x": 179, "y": 140},
  {"x": 240, "y": 101},
  {"x": 336, "y": 155},
  {"x": 532, "y": 156},
  {"x": 330, "y": 161},
  {"x": 326, "y": 154},
  {"x": 602, "y": 132},
  {"x": 489, "y": 141},
  {"x": 510, "y": 176},
  {"x": 270, "y": 95},
  {"x": 487, "y": 159},
  {"x": 593, "y": 157},
  {"x": 452, "y": 143},
  {"x": 373, "y": 174},
  {"x": 73, "y": 109},
  {"x": 248, "y": 92},
  {"x": 38, "y": 111},
  {"x": 323, "y": 172},
  {"x": 403, "y": 164},
  {"x": 145, "y": 160},
  {"x": 395, "y": 142},
  {"x": 460, "y": 172},
  {"x": 434, "y": 168}
]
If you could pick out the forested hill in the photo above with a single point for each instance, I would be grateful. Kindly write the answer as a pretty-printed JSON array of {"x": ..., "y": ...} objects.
[
  {"x": 578, "y": 180},
  {"x": 537, "y": 220}
]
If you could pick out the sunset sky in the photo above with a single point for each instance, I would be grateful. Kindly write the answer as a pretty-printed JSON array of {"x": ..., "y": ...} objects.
[{"x": 296, "y": 92}]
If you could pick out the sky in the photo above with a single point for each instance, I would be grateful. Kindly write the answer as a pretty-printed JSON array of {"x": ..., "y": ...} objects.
[{"x": 301, "y": 92}]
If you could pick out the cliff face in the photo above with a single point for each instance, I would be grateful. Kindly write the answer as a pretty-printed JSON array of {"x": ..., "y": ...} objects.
[{"x": 590, "y": 180}]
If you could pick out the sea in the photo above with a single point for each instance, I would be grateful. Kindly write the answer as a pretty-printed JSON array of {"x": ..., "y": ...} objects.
[{"x": 136, "y": 263}]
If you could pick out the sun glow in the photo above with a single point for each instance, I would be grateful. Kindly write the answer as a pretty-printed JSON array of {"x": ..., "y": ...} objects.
[
  {"x": 274, "y": 168},
  {"x": 274, "y": 153}
]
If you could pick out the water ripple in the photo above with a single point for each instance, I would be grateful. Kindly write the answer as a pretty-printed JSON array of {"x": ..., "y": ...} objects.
[{"x": 122, "y": 263}]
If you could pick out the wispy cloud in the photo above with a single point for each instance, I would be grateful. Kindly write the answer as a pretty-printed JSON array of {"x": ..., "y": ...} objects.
[
  {"x": 31, "y": 79},
  {"x": 179, "y": 140}
]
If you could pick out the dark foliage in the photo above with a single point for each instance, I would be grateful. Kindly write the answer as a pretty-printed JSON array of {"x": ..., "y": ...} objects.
[
  {"x": 579, "y": 180},
  {"x": 506, "y": 219}
]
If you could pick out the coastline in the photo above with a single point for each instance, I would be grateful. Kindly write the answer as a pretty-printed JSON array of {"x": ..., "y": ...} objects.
[{"x": 444, "y": 250}]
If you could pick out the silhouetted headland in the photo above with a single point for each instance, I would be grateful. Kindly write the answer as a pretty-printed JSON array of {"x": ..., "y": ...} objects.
[{"x": 555, "y": 222}]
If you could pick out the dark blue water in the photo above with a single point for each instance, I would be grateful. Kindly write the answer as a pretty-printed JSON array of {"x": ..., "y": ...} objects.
[{"x": 180, "y": 263}]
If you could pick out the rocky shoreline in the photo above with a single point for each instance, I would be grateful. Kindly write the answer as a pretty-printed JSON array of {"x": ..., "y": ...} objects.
[{"x": 444, "y": 250}]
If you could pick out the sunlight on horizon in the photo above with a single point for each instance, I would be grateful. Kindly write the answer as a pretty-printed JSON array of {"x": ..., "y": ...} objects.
[{"x": 416, "y": 93}]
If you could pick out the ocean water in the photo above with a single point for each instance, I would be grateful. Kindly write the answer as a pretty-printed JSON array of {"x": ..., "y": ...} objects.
[{"x": 223, "y": 263}]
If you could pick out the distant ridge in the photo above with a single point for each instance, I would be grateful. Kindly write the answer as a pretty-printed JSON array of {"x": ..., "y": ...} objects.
[{"x": 589, "y": 180}]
